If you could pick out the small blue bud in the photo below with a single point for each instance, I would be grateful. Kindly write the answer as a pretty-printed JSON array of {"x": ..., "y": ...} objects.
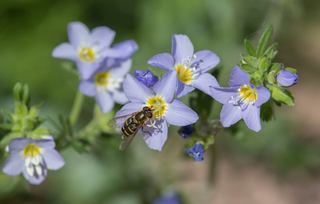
[
  {"x": 146, "y": 77},
  {"x": 286, "y": 78},
  {"x": 186, "y": 131},
  {"x": 196, "y": 151}
]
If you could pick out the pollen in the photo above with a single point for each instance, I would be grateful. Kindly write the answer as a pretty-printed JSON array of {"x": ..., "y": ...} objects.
[
  {"x": 102, "y": 79},
  {"x": 87, "y": 54},
  {"x": 184, "y": 74},
  {"x": 159, "y": 106},
  {"x": 31, "y": 150},
  {"x": 246, "y": 92}
]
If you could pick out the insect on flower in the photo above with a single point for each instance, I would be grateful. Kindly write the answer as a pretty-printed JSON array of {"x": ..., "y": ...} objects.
[{"x": 130, "y": 125}]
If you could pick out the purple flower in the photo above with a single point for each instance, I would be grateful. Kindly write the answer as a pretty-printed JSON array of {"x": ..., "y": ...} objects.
[
  {"x": 186, "y": 131},
  {"x": 286, "y": 78},
  {"x": 146, "y": 77},
  {"x": 166, "y": 109},
  {"x": 32, "y": 158},
  {"x": 106, "y": 84},
  {"x": 89, "y": 49},
  {"x": 196, "y": 151},
  {"x": 191, "y": 68},
  {"x": 241, "y": 100},
  {"x": 168, "y": 198}
]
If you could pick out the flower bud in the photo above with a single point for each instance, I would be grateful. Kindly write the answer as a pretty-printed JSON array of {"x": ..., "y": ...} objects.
[
  {"x": 146, "y": 77},
  {"x": 186, "y": 131},
  {"x": 286, "y": 78}
]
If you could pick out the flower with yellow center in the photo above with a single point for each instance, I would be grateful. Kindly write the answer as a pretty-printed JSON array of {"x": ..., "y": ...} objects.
[
  {"x": 160, "y": 100},
  {"x": 102, "y": 79},
  {"x": 191, "y": 67},
  {"x": 87, "y": 54},
  {"x": 241, "y": 100},
  {"x": 90, "y": 48},
  {"x": 32, "y": 158}
]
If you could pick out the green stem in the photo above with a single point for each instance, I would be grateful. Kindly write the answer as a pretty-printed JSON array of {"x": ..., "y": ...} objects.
[
  {"x": 212, "y": 166},
  {"x": 76, "y": 108}
]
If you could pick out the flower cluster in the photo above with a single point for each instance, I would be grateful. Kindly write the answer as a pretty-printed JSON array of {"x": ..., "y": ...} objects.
[
  {"x": 101, "y": 67},
  {"x": 255, "y": 85}
]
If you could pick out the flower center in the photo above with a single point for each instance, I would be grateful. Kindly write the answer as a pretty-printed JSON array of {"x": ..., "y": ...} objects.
[
  {"x": 246, "y": 96},
  {"x": 159, "y": 106},
  {"x": 33, "y": 160},
  {"x": 187, "y": 71},
  {"x": 102, "y": 79},
  {"x": 87, "y": 54},
  {"x": 31, "y": 150}
]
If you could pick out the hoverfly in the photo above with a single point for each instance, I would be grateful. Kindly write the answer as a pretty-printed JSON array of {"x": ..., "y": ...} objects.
[{"x": 131, "y": 124}]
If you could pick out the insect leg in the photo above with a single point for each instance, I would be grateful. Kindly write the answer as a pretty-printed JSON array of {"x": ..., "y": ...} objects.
[{"x": 145, "y": 131}]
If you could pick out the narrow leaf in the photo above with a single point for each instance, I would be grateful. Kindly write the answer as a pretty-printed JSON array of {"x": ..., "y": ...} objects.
[
  {"x": 264, "y": 41},
  {"x": 249, "y": 48}
]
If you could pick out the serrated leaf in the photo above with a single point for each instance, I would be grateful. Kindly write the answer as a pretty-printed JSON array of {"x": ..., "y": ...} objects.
[
  {"x": 249, "y": 48},
  {"x": 264, "y": 41},
  {"x": 283, "y": 96}
]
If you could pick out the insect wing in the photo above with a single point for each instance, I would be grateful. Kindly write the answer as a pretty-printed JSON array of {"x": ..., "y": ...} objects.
[
  {"x": 125, "y": 141},
  {"x": 119, "y": 121}
]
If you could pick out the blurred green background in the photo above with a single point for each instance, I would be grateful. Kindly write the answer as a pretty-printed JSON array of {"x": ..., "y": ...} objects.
[{"x": 280, "y": 164}]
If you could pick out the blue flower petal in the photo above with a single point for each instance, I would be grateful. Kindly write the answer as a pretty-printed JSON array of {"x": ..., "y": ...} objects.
[
  {"x": 179, "y": 114},
  {"x": 78, "y": 33},
  {"x": 65, "y": 51},
  {"x": 32, "y": 179},
  {"x": 203, "y": 83},
  {"x": 103, "y": 35},
  {"x": 122, "y": 50},
  {"x": 251, "y": 116},
  {"x": 104, "y": 101},
  {"x": 53, "y": 159},
  {"x": 17, "y": 144},
  {"x": 223, "y": 95},
  {"x": 158, "y": 136},
  {"x": 135, "y": 90},
  {"x": 87, "y": 87},
  {"x": 263, "y": 95},
  {"x": 183, "y": 89},
  {"x": 230, "y": 114},
  {"x": 238, "y": 77},
  {"x": 182, "y": 48},
  {"x": 45, "y": 143},
  {"x": 14, "y": 164},
  {"x": 86, "y": 70},
  {"x": 206, "y": 60},
  {"x": 165, "y": 87},
  {"x": 163, "y": 61},
  {"x": 120, "y": 70},
  {"x": 146, "y": 77},
  {"x": 186, "y": 131}
]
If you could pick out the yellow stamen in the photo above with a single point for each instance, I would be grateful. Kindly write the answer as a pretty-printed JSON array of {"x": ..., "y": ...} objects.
[
  {"x": 31, "y": 150},
  {"x": 87, "y": 54},
  {"x": 159, "y": 106},
  {"x": 248, "y": 93},
  {"x": 102, "y": 79},
  {"x": 184, "y": 74}
]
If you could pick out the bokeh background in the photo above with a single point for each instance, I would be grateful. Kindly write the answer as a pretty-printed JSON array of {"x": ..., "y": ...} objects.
[{"x": 280, "y": 164}]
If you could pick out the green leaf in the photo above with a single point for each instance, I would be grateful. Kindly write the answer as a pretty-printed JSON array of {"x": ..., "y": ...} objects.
[
  {"x": 269, "y": 51},
  {"x": 264, "y": 64},
  {"x": 275, "y": 66},
  {"x": 249, "y": 48},
  {"x": 249, "y": 68},
  {"x": 272, "y": 77},
  {"x": 293, "y": 71},
  {"x": 39, "y": 132},
  {"x": 283, "y": 96},
  {"x": 264, "y": 41},
  {"x": 6, "y": 139},
  {"x": 6, "y": 126},
  {"x": 34, "y": 110},
  {"x": 266, "y": 111},
  {"x": 20, "y": 109},
  {"x": 25, "y": 95},
  {"x": 249, "y": 60},
  {"x": 17, "y": 92}
]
